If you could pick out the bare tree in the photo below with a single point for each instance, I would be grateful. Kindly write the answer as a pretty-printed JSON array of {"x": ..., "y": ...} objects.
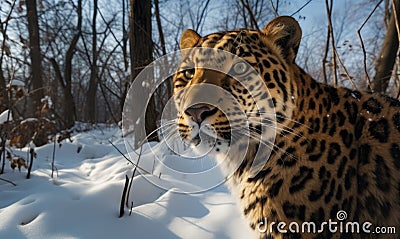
[
  {"x": 92, "y": 64},
  {"x": 4, "y": 101},
  {"x": 37, "y": 92},
  {"x": 330, "y": 37},
  {"x": 387, "y": 55},
  {"x": 248, "y": 14},
  {"x": 124, "y": 35},
  {"x": 141, "y": 51},
  {"x": 69, "y": 108},
  {"x": 159, "y": 26},
  {"x": 247, "y": 8},
  {"x": 163, "y": 93},
  {"x": 90, "y": 111}
]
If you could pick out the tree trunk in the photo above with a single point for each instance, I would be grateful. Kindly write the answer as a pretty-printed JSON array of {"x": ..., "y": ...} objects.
[
  {"x": 69, "y": 109},
  {"x": 165, "y": 91},
  {"x": 125, "y": 36},
  {"x": 3, "y": 91},
  {"x": 141, "y": 50},
  {"x": 4, "y": 96},
  {"x": 159, "y": 26},
  {"x": 90, "y": 111},
  {"x": 37, "y": 91},
  {"x": 388, "y": 53}
]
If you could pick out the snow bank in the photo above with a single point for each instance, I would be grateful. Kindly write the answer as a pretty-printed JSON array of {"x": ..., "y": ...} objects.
[{"x": 83, "y": 200}]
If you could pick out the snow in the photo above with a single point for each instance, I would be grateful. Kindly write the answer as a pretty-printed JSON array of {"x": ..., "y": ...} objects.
[
  {"x": 82, "y": 200},
  {"x": 4, "y": 116},
  {"x": 17, "y": 83},
  {"x": 47, "y": 99},
  {"x": 29, "y": 120}
]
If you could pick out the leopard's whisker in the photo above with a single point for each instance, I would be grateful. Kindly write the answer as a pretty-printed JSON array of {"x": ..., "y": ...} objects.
[
  {"x": 257, "y": 115},
  {"x": 170, "y": 123},
  {"x": 283, "y": 128},
  {"x": 280, "y": 127},
  {"x": 269, "y": 145}
]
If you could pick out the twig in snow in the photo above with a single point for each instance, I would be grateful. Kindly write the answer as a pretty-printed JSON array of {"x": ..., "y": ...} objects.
[
  {"x": 32, "y": 155},
  {"x": 121, "y": 205},
  {"x": 52, "y": 161},
  {"x": 8, "y": 181},
  {"x": 3, "y": 154},
  {"x": 130, "y": 161},
  {"x": 131, "y": 210},
  {"x": 133, "y": 175}
]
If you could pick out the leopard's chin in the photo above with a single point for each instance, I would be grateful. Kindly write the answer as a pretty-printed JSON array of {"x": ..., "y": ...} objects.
[{"x": 203, "y": 143}]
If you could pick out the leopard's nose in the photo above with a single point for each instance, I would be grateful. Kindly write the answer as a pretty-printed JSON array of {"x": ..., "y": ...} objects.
[{"x": 200, "y": 112}]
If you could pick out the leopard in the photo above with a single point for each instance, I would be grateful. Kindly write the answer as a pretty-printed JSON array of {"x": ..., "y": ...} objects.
[{"x": 327, "y": 155}]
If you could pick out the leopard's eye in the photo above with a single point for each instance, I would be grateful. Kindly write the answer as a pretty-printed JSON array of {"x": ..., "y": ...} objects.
[
  {"x": 189, "y": 73},
  {"x": 239, "y": 68}
]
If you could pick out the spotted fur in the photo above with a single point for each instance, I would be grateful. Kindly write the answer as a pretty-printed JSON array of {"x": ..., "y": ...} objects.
[{"x": 334, "y": 149}]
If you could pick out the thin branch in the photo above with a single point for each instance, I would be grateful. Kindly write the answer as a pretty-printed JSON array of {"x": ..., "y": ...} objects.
[
  {"x": 32, "y": 155},
  {"x": 110, "y": 28},
  {"x": 159, "y": 27},
  {"x": 301, "y": 8},
  {"x": 329, "y": 13},
  {"x": 346, "y": 72},
  {"x": 8, "y": 181},
  {"x": 53, "y": 158},
  {"x": 130, "y": 161},
  {"x": 57, "y": 72},
  {"x": 396, "y": 19},
  {"x": 133, "y": 175},
  {"x": 397, "y": 81},
  {"x": 3, "y": 154},
  {"x": 324, "y": 61},
  {"x": 201, "y": 18},
  {"x": 253, "y": 21},
  {"x": 131, "y": 210},
  {"x": 275, "y": 9},
  {"x": 363, "y": 46},
  {"x": 107, "y": 102},
  {"x": 121, "y": 205},
  {"x": 4, "y": 31}
]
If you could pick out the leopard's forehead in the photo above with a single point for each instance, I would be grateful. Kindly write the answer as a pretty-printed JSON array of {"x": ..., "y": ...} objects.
[
  {"x": 210, "y": 51},
  {"x": 230, "y": 40}
]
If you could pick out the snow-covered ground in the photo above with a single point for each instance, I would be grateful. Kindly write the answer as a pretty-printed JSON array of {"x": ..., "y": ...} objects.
[{"x": 82, "y": 200}]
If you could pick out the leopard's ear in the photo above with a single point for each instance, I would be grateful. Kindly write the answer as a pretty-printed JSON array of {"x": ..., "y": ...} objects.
[
  {"x": 285, "y": 32},
  {"x": 189, "y": 39}
]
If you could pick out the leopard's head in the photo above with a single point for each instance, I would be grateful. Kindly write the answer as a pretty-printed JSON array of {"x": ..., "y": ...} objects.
[{"x": 235, "y": 85}]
